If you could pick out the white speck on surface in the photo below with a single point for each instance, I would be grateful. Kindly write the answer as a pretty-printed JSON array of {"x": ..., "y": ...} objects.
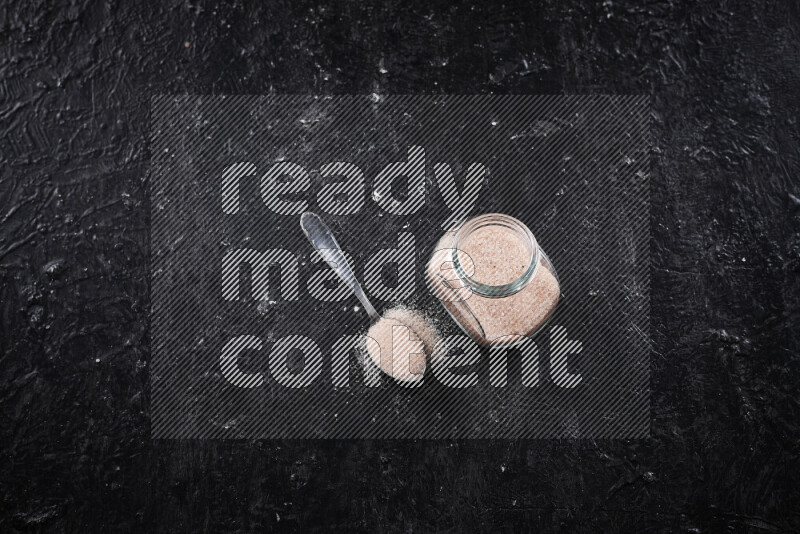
[{"x": 264, "y": 307}]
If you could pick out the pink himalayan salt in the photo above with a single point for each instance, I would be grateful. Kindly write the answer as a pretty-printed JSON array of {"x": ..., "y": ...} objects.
[
  {"x": 499, "y": 255},
  {"x": 418, "y": 323},
  {"x": 404, "y": 357},
  {"x": 497, "y": 260}
]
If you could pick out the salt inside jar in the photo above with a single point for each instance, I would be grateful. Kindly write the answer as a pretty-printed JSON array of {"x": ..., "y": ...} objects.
[{"x": 493, "y": 278}]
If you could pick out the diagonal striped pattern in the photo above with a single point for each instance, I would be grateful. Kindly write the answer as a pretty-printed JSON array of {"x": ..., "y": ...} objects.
[
  {"x": 459, "y": 202},
  {"x": 241, "y": 348},
  {"x": 230, "y": 185}
]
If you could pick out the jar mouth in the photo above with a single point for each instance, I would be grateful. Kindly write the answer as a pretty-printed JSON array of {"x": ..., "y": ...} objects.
[{"x": 509, "y": 223}]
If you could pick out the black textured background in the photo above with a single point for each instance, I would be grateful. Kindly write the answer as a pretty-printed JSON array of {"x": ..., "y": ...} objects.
[{"x": 75, "y": 83}]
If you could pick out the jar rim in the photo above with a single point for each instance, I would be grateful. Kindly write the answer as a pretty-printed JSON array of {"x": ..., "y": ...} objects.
[{"x": 511, "y": 223}]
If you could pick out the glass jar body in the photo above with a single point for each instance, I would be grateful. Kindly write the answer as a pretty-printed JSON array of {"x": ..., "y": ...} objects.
[{"x": 466, "y": 275}]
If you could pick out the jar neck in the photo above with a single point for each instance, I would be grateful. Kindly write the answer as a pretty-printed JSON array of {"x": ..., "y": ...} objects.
[{"x": 509, "y": 224}]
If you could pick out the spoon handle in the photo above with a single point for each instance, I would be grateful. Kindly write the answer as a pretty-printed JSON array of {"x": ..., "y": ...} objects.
[{"x": 323, "y": 240}]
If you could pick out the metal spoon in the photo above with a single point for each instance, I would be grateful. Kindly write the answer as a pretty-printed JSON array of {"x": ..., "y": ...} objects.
[
  {"x": 325, "y": 243},
  {"x": 322, "y": 238}
]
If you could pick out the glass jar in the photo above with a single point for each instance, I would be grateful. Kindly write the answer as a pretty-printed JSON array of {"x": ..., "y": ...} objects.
[{"x": 493, "y": 279}]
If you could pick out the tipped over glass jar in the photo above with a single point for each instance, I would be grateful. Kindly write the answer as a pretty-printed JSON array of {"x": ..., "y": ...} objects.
[{"x": 494, "y": 280}]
